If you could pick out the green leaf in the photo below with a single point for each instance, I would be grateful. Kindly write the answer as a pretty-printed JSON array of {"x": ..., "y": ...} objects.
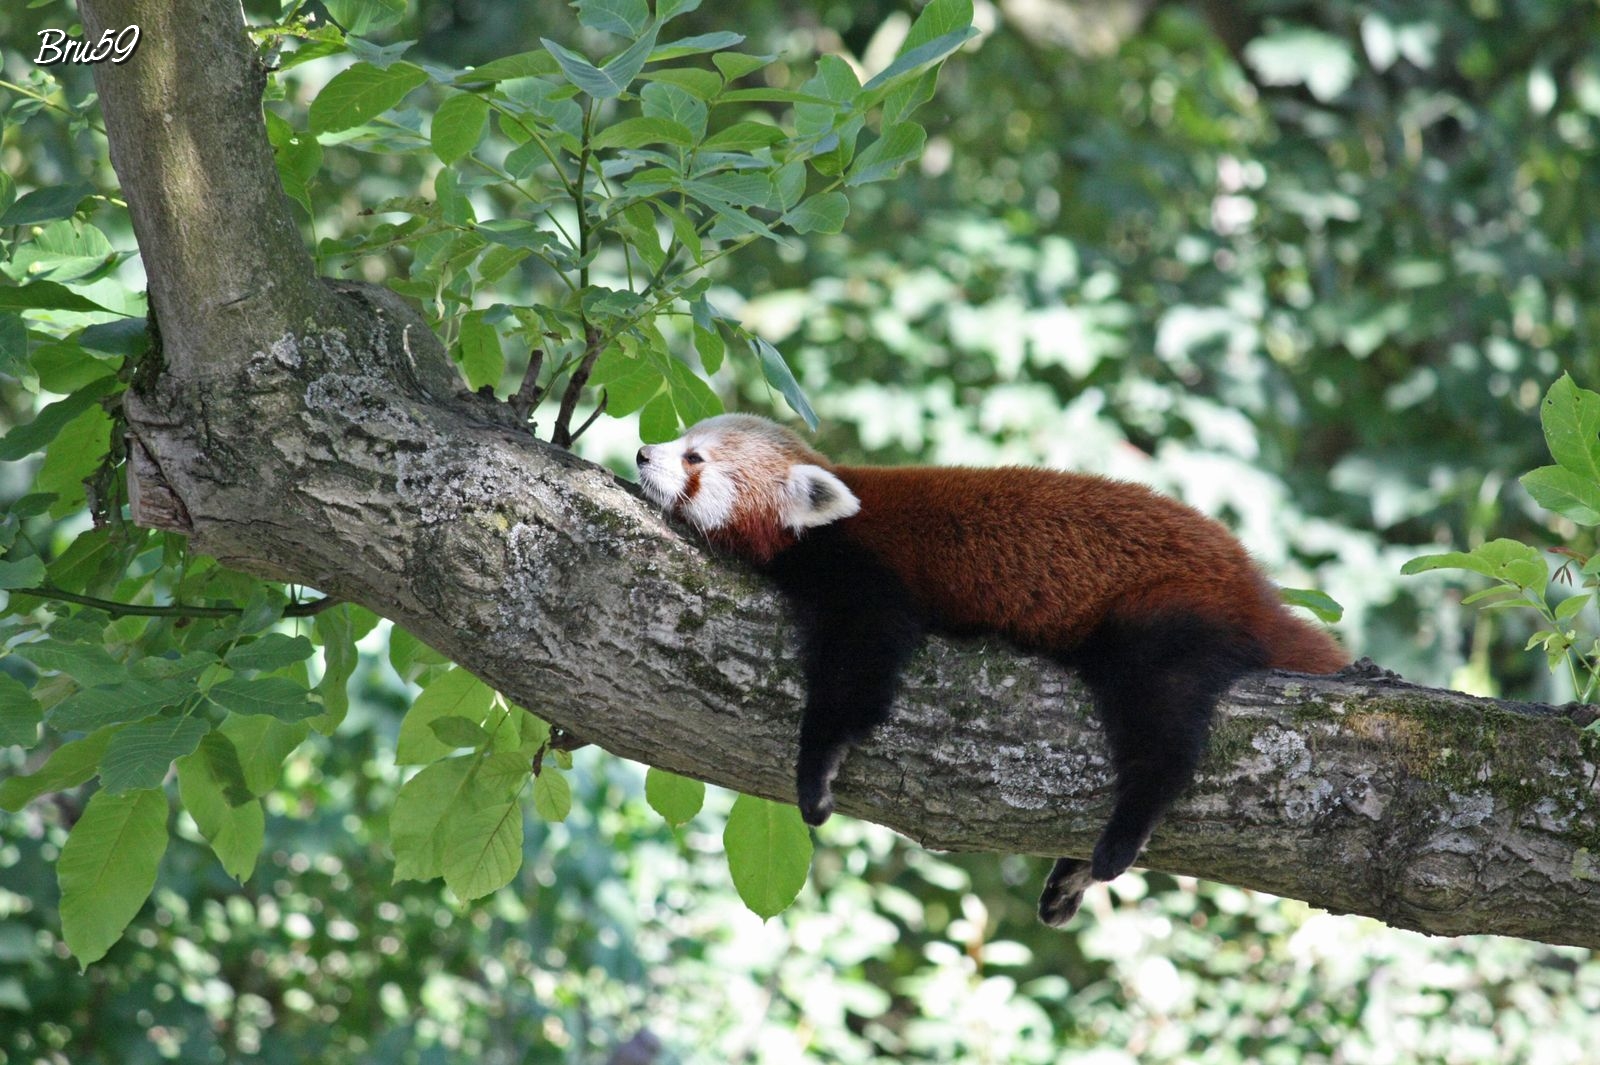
[
  {"x": 261, "y": 743},
  {"x": 224, "y": 767},
  {"x": 275, "y": 697},
  {"x": 235, "y": 831},
  {"x": 625, "y": 18},
  {"x": 534, "y": 64},
  {"x": 779, "y": 376},
  {"x": 666, "y": 9},
  {"x": 457, "y": 126},
  {"x": 360, "y": 93},
  {"x": 637, "y": 132},
  {"x": 68, "y": 766},
  {"x": 1571, "y": 607},
  {"x": 677, "y": 799},
  {"x": 93, "y": 557},
  {"x": 47, "y": 204},
  {"x": 1571, "y": 419},
  {"x": 455, "y": 731},
  {"x": 140, "y": 755},
  {"x": 699, "y": 85},
  {"x": 484, "y": 851},
  {"x": 885, "y": 156},
  {"x": 131, "y": 700},
  {"x": 711, "y": 349},
  {"x": 744, "y": 137},
  {"x": 629, "y": 380},
  {"x": 938, "y": 19},
  {"x": 1505, "y": 560},
  {"x": 822, "y": 213},
  {"x": 1567, "y": 493},
  {"x": 611, "y": 80},
  {"x": 658, "y": 421},
  {"x": 455, "y": 693},
  {"x": 912, "y": 60},
  {"x": 336, "y": 633},
  {"x": 361, "y": 17},
  {"x": 108, "y": 867},
  {"x": 85, "y": 662},
  {"x": 46, "y": 296},
  {"x": 693, "y": 398},
  {"x": 700, "y": 43},
  {"x": 61, "y": 251},
  {"x": 24, "y": 440},
  {"x": 552, "y": 795},
  {"x": 13, "y": 346},
  {"x": 410, "y": 656},
  {"x": 72, "y": 457},
  {"x": 1323, "y": 605},
  {"x": 65, "y": 367},
  {"x": 270, "y": 650},
  {"x": 482, "y": 360},
  {"x": 769, "y": 853},
  {"x": 23, "y": 573},
  {"x": 735, "y": 65},
  {"x": 422, "y": 808},
  {"x": 19, "y": 713}
]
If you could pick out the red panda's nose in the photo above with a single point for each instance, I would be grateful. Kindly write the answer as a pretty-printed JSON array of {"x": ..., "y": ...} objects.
[{"x": 643, "y": 457}]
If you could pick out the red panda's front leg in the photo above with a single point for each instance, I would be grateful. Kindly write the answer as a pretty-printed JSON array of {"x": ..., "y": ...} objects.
[{"x": 858, "y": 626}]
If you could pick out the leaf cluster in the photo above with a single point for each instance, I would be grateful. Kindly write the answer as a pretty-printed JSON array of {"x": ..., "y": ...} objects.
[
  {"x": 1570, "y": 416},
  {"x": 623, "y": 179}
]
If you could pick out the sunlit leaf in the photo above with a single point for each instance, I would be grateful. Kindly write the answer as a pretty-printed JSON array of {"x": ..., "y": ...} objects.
[
  {"x": 769, "y": 853},
  {"x": 677, "y": 799},
  {"x": 360, "y": 93},
  {"x": 484, "y": 851},
  {"x": 108, "y": 867}
]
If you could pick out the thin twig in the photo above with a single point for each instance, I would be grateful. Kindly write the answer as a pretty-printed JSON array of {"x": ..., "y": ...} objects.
[
  {"x": 562, "y": 435},
  {"x": 529, "y": 393},
  {"x": 599, "y": 410},
  {"x": 174, "y": 610}
]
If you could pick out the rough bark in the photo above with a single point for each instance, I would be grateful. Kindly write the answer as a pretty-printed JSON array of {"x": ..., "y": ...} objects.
[{"x": 327, "y": 444}]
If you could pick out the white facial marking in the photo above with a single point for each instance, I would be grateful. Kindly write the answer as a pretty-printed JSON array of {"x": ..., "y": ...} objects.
[
  {"x": 663, "y": 477},
  {"x": 712, "y": 504}
]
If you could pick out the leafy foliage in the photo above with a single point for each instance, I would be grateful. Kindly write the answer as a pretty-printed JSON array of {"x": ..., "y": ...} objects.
[
  {"x": 638, "y": 167},
  {"x": 1571, "y": 488}
]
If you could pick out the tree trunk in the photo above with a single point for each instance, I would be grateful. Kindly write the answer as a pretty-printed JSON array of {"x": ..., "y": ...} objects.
[{"x": 316, "y": 433}]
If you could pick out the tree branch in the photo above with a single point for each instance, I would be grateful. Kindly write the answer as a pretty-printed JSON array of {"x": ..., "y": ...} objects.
[{"x": 333, "y": 450}]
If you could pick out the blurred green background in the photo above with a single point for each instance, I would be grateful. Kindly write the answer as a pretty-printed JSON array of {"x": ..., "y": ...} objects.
[{"x": 1308, "y": 266}]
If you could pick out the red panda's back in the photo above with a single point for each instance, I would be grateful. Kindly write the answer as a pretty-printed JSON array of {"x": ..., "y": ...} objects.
[{"x": 1042, "y": 557}]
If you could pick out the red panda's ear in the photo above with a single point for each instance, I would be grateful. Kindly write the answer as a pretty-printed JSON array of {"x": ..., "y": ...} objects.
[{"x": 812, "y": 496}]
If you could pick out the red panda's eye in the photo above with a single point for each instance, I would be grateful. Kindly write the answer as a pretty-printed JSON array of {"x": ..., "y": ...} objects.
[{"x": 692, "y": 458}]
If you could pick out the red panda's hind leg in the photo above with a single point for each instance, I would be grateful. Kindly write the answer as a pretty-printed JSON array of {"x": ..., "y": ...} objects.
[{"x": 1155, "y": 683}]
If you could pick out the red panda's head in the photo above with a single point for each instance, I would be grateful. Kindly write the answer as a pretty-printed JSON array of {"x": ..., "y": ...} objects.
[{"x": 748, "y": 484}]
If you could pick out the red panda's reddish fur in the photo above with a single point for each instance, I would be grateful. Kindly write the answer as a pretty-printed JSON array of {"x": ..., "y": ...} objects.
[{"x": 1042, "y": 556}]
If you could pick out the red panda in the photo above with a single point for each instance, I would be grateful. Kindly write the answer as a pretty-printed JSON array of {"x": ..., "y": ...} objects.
[{"x": 1157, "y": 607}]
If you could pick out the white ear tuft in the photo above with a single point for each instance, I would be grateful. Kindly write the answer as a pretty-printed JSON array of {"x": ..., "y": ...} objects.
[{"x": 813, "y": 497}]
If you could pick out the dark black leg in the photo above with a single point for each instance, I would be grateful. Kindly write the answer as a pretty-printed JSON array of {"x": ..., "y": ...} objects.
[
  {"x": 1063, "y": 891},
  {"x": 858, "y": 627},
  {"x": 1155, "y": 684}
]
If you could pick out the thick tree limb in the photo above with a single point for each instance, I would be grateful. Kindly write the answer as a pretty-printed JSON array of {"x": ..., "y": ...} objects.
[{"x": 331, "y": 447}]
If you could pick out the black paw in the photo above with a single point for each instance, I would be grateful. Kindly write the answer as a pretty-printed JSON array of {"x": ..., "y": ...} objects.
[
  {"x": 1112, "y": 857},
  {"x": 1063, "y": 891},
  {"x": 816, "y": 803}
]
